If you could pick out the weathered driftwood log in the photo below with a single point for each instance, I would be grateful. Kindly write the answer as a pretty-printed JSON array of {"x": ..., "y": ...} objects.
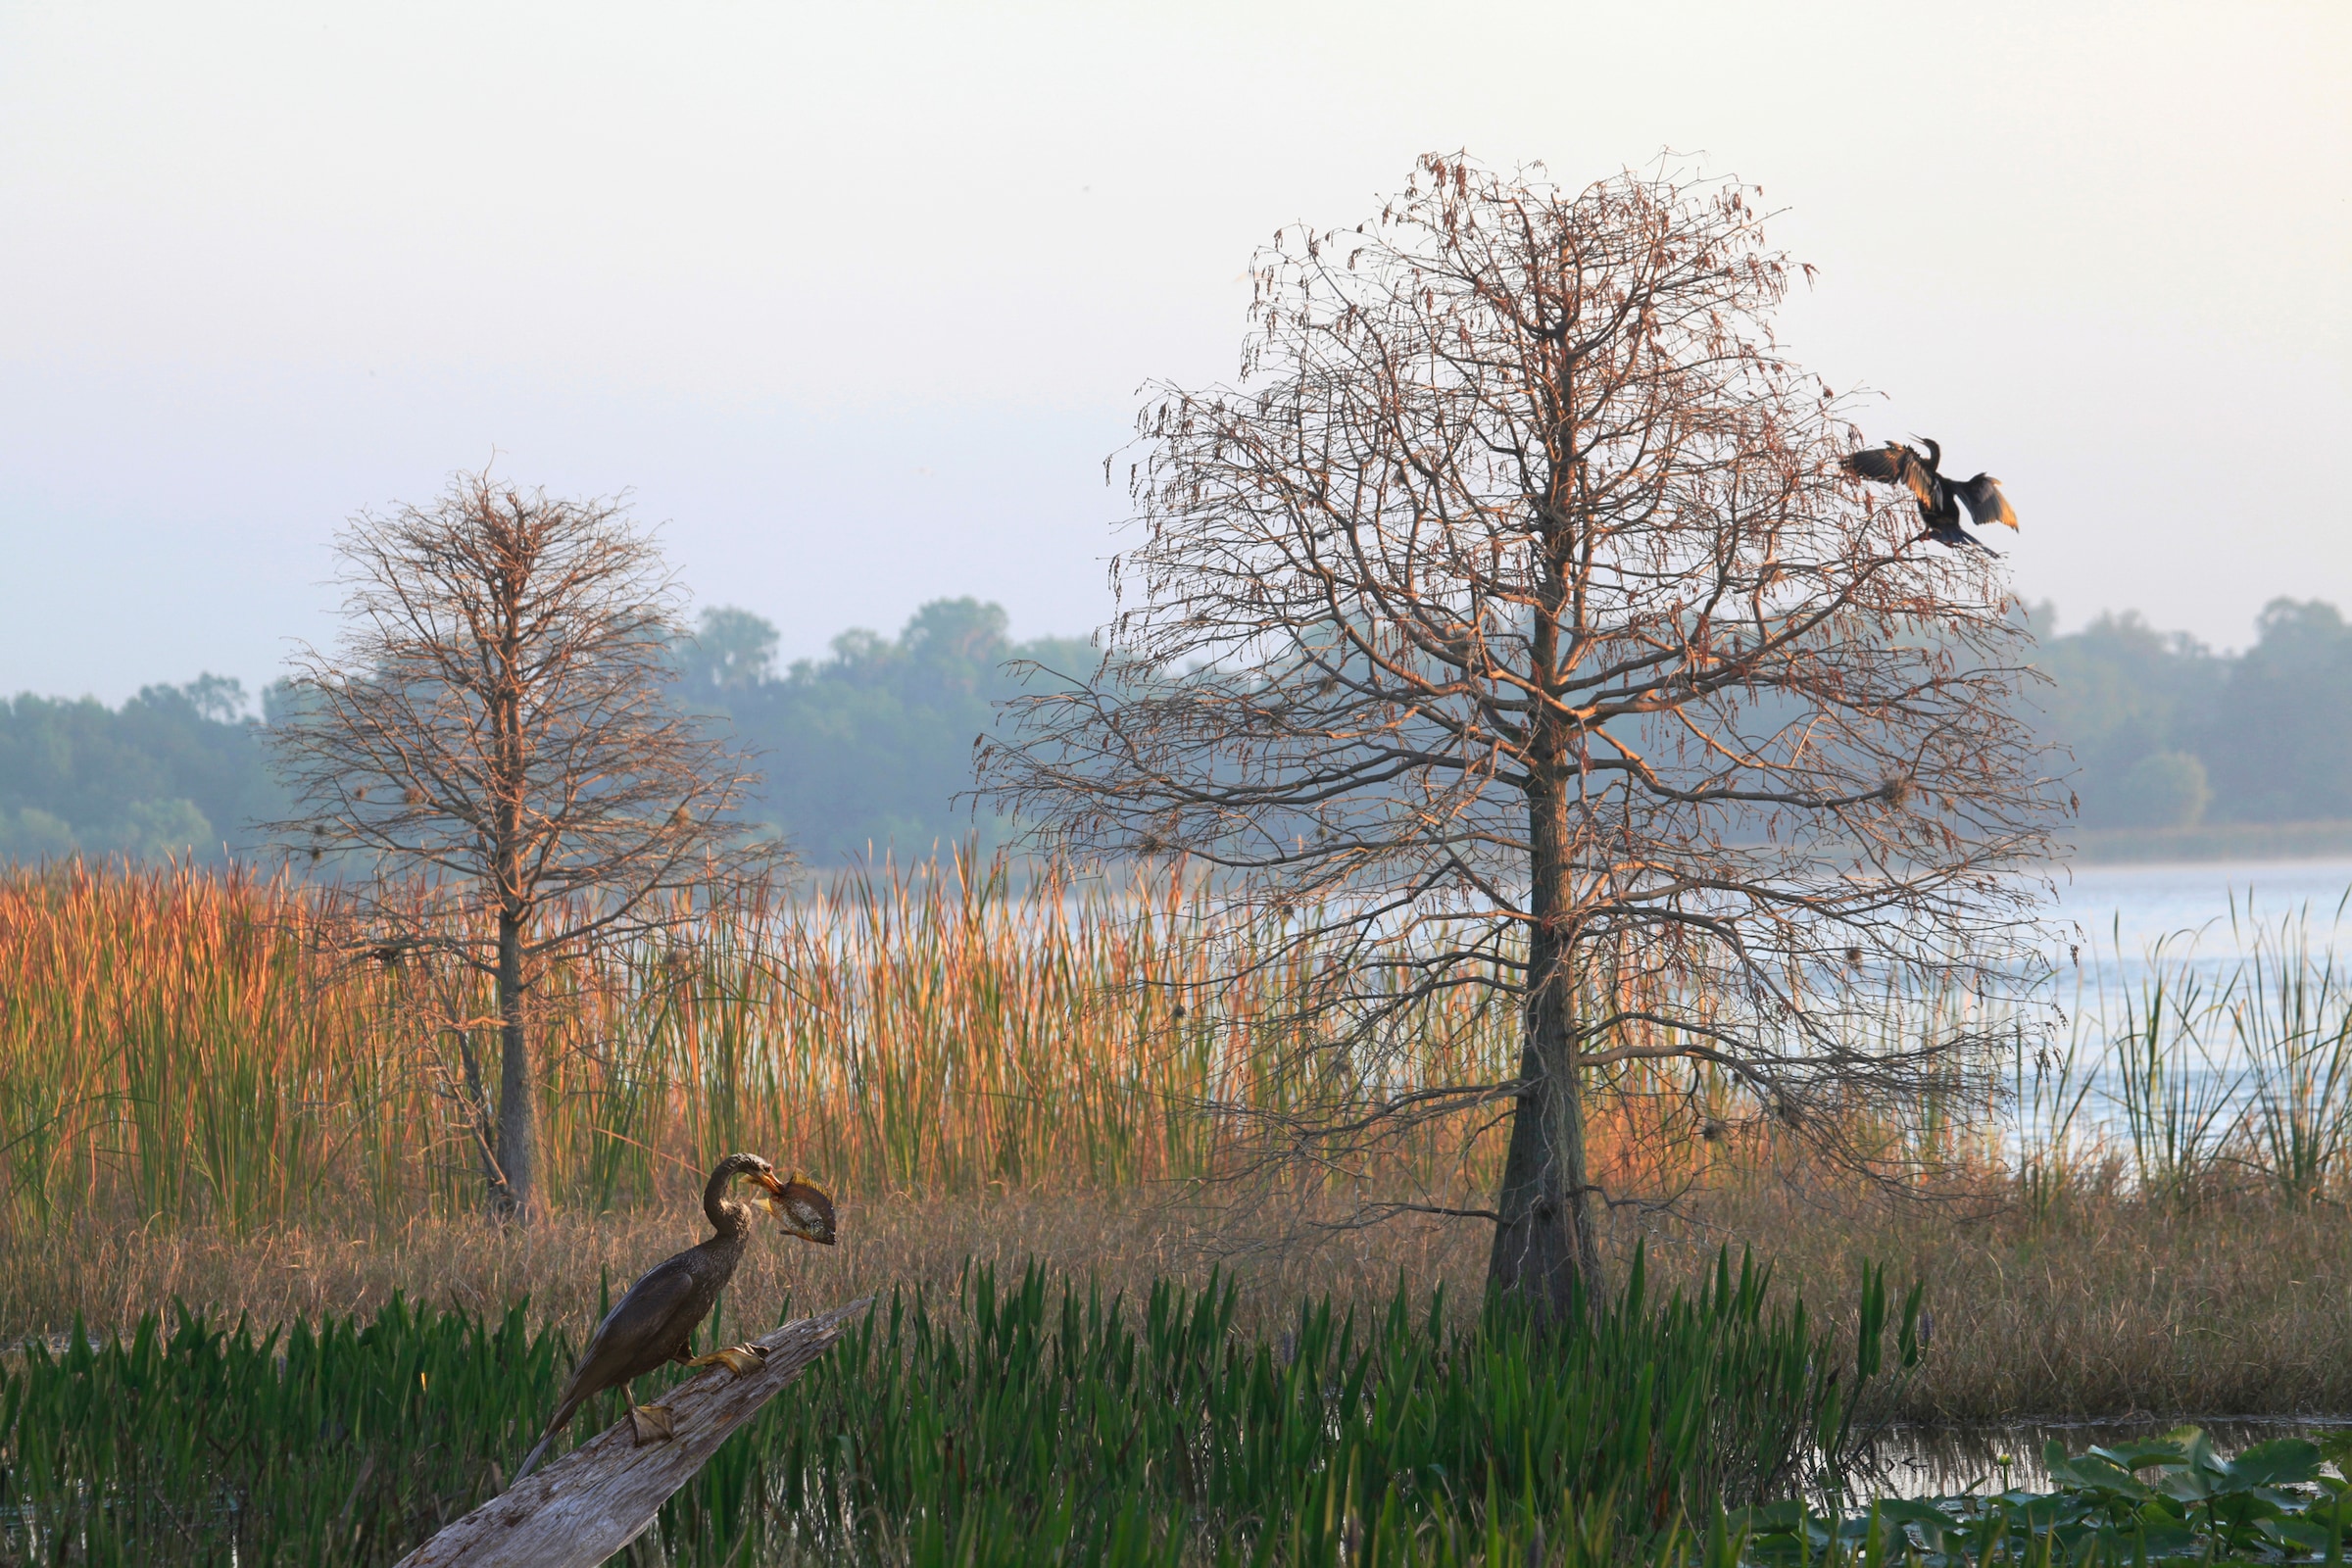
[{"x": 585, "y": 1507}]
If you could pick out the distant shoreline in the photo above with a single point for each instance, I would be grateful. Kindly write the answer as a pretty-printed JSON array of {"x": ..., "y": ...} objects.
[{"x": 2230, "y": 841}]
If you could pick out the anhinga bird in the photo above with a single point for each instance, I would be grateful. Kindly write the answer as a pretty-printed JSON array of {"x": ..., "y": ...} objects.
[
  {"x": 1938, "y": 498},
  {"x": 654, "y": 1322}
]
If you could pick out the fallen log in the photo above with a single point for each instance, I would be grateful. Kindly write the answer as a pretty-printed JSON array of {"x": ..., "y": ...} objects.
[{"x": 580, "y": 1510}]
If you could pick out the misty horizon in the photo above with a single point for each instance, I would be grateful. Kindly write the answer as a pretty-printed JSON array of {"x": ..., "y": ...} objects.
[{"x": 848, "y": 300}]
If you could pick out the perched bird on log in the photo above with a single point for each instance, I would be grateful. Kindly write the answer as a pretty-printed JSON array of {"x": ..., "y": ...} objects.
[
  {"x": 654, "y": 1322},
  {"x": 1940, "y": 499}
]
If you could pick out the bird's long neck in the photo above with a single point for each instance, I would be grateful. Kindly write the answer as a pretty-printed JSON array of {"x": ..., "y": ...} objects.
[{"x": 729, "y": 1216}]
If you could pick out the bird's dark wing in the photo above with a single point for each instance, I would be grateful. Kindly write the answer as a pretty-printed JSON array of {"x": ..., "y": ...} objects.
[
  {"x": 645, "y": 1326},
  {"x": 663, "y": 1295},
  {"x": 1883, "y": 464},
  {"x": 1894, "y": 463},
  {"x": 1985, "y": 503}
]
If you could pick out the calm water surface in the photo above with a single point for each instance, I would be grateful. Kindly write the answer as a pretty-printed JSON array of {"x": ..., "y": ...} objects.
[
  {"x": 2126, "y": 907},
  {"x": 1946, "y": 1462},
  {"x": 2206, "y": 914},
  {"x": 2197, "y": 925}
]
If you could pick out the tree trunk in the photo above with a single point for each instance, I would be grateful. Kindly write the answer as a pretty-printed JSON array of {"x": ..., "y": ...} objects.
[
  {"x": 514, "y": 1194},
  {"x": 1543, "y": 1243},
  {"x": 1545, "y": 1248}
]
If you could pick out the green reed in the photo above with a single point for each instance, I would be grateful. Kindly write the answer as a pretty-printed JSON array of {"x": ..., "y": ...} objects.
[
  {"x": 346, "y": 1442},
  {"x": 1023, "y": 1421},
  {"x": 2231, "y": 1078}
]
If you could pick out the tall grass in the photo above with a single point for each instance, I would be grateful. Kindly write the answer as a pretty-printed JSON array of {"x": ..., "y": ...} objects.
[
  {"x": 1034, "y": 1420},
  {"x": 162, "y": 1045},
  {"x": 2201, "y": 1078},
  {"x": 205, "y": 1048},
  {"x": 197, "y": 1046}
]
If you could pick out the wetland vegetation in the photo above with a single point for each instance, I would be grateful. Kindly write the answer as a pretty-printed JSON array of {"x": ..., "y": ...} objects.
[
  {"x": 1017, "y": 1420},
  {"x": 233, "y": 1165}
]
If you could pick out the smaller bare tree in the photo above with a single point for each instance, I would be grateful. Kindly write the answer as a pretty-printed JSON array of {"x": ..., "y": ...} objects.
[{"x": 495, "y": 722}]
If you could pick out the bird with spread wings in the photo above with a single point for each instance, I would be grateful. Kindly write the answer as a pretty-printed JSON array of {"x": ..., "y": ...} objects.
[{"x": 1940, "y": 499}]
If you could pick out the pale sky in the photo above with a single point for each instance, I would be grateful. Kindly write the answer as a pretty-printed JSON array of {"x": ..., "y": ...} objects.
[{"x": 855, "y": 297}]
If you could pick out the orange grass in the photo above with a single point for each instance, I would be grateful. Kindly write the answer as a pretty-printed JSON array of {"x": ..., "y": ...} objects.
[
  {"x": 191, "y": 1047},
  {"x": 198, "y": 1047}
]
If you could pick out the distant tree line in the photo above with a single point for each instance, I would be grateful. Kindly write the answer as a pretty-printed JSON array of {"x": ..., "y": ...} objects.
[
  {"x": 174, "y": 771},
  {"x": 868, "y": 746},
  {"x": 2168, "y": 733},
  {"x": 865, "y": 750}
]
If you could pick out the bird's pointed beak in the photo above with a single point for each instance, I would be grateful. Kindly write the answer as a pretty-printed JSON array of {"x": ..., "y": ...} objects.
[{"x": 773, "y": 1182}]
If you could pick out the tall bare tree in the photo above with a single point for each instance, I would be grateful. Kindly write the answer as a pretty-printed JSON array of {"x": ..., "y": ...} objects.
[
  {"x": 495, "y": 722},
  {"x": 1511, "y": 626}
]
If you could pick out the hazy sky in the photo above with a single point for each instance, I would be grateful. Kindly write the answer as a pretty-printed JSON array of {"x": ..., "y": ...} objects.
[{"x": 855, "y": 297}]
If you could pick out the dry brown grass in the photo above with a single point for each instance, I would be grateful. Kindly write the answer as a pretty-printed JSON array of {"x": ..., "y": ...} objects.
[
  {"x": 112, "y": 1276},
  {"x": 2110, "y": 1309}
]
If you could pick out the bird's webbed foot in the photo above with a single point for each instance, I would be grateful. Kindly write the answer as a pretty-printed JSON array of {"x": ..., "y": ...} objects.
[
  {"x": 651, "y": 1423},
  {"x": 741, "y": 1360}
]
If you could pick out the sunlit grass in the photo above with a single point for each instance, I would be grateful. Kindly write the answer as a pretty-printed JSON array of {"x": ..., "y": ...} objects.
[
  {"x": 196, "y": 1047},
  {"x": 190, "y": 1046},
  {"x": 207, "y": 1091}
]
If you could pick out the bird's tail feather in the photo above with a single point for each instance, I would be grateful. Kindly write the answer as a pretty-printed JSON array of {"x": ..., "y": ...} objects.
[
  {"x": 531, "y": 1461},
  {"x": 561, "y": 1420}
]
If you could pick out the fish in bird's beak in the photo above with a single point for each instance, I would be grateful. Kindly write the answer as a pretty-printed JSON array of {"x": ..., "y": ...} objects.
[{"x": 805, "y": 1208}]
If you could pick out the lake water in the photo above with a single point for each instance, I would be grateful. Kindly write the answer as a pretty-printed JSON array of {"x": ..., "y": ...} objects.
[
  {"x": 2201, "y": 921},
  {"x": 2198, "y": 924},
  {"x": 2130, "y": 907},
  {"x": 1916, "y": 1461}
]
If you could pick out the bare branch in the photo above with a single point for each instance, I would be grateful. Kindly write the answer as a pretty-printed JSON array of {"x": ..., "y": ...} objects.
[
  {"x": 496, "y": 720},
  {"x": 1516, "y": 593}
]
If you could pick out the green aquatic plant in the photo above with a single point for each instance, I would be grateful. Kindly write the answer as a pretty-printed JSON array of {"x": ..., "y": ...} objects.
[
  {"x": 1024, "y": 1420},
  {"x": 2171, "y": 1497}
]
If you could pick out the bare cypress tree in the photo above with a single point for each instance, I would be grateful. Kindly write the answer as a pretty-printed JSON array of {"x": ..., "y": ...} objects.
[
  {"x": 1511, "y": 626},
  {"x": 493, "y": 720}
]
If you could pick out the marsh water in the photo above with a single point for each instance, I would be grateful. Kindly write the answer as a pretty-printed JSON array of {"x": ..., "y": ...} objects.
[
  {"x": 1944, "y": 1461},
  {"x": 2232, "y": 966},
  {"x": 2185, "y": 926}
]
